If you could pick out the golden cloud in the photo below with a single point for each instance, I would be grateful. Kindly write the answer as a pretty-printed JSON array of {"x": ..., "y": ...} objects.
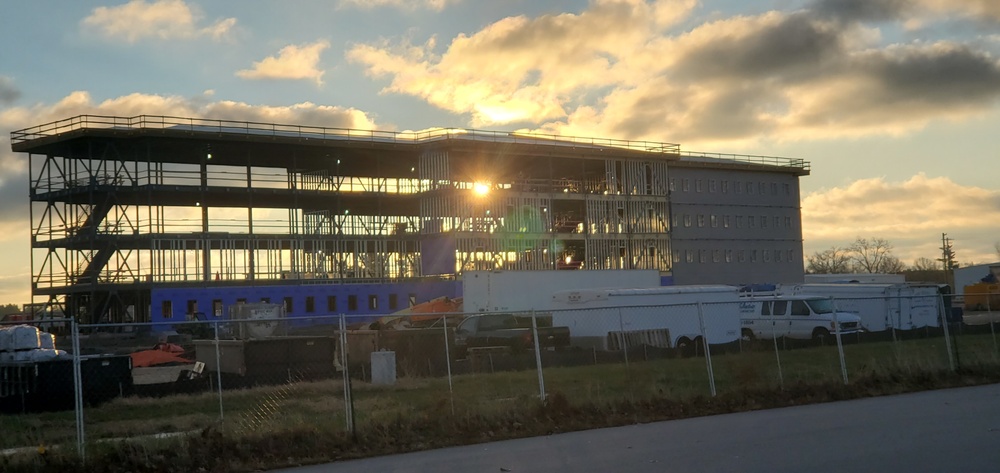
[
  {"x": 292, "y": 62},
  {"x": 161, "y": 19},
  {"x": 908, "y": 213}
]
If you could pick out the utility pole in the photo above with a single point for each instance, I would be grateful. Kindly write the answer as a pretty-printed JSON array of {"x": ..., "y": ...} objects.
[{"x": 947, "y": 258}]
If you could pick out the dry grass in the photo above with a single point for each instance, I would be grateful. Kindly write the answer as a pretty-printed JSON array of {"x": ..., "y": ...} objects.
[{"x": 299, "y": 423}]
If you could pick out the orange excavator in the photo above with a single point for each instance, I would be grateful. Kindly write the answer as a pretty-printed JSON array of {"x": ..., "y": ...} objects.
[
  {"x": 161, "y": 354},
  {"x": 425, "y": 314}
]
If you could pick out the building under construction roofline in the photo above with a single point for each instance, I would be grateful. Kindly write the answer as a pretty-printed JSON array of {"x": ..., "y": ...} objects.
[{"x": 129, "y": 213}]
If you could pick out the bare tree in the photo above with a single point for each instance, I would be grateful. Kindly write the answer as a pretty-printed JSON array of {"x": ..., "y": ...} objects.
[
  {"x": 925, "y": 264},
  {"x": 892, "y": 265},
  {"x": 874, "y": 256},
  {"x": 832, "y": 261}
]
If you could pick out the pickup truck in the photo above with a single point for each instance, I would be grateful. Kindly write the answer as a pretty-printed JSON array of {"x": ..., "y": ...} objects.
[{"x": 508, "y": 330}]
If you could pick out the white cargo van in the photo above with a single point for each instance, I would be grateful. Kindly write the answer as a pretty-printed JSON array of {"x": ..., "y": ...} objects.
[
  {"x": 667, "y": 317},
  {"x": 802, "y": 317}
]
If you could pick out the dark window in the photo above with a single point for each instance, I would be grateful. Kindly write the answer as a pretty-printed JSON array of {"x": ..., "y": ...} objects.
[
  {"x": 352, "y": 302},
  {"x": 413, "y": 299},
  {"x": 168, "y": 309},
  {"x": 331, "y": 303},
  {"x": 217, "y": 307},
  {"x": 310, "y": 304},
  {"x": 241, "y": 300},
  {"x": 288, "y": 305},
  {"x": 393, "y": 302},
  {"x": 372, "y": 302},
  {"x": 780, "y": 307},
  {"x": 800, "y": 308},
  {"x": 266, "y": 300},
  {"x": 765, "y": 308},
  {"x": 192, "y": 306}
]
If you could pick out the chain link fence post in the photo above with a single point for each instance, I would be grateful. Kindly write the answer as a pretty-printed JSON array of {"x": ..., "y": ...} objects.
[
  {"x": 348, "y": 403},
  {"x": 708, "y": 351},
  {"x": 218, "y": 372},
  {"x": 622, "y": 336},
  {"x": 78, "y": 392},
  {"x": 538, "y": 357},
  {"x": 447, "y": 360},
  {"x": 840, "y": 343},
  {"x": 777, "y": 353},
  {"x": 993, "y": 333},
  {"x": 947, "y": 335}
]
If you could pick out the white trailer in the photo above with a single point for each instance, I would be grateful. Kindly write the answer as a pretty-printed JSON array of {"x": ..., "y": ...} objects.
[
  {"x": 668, "y": 317},
  {"x": 495, "y": 291},
  {"x": 881, "y": 307},
  {"x": 864, "y": 278}
]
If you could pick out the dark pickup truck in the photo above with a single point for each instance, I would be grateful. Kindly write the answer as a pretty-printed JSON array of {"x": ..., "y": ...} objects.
[{"x": 508, "y": 330}]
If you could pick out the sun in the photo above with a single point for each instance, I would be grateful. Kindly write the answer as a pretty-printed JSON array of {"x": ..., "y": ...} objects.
[{"x": 481, "y": 188}]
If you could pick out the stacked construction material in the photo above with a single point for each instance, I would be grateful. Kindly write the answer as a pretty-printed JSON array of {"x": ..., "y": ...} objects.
[{"x": 26, "y": 343}]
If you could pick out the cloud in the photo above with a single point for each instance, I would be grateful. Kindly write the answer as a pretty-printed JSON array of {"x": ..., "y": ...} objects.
[
  {"x": 9, "y": 93},
  {"x": 887, "y": 10},
  {"x": 911, "y": 214},
  {"x": 522, "y": 69},
  {"x": 292, "y": 62},
  {"x": 160, "y": 19},
  {"x": 614, "y": 70},
  {"x": 436, "y": 5},
  {"x": 865, "y": 10}
]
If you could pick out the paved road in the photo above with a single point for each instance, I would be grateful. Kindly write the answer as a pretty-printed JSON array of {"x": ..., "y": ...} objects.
[{"x": 954, "y": 430}]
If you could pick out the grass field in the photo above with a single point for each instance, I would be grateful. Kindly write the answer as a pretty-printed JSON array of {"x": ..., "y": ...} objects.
[{"x": 278, "y": 425}]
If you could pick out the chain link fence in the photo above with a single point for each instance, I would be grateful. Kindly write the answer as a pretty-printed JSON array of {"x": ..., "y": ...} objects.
[{"x": 252, "y": 373}]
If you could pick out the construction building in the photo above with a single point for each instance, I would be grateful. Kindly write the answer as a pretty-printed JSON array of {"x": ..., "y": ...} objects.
[{"x": 153, "y": 218}]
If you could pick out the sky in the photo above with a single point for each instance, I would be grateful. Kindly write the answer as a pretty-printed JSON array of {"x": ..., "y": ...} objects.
[{"x": 895, "y": 103}]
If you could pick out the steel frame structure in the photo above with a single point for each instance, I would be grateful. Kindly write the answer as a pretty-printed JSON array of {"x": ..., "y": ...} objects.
[{"x": 120, "y": 205}]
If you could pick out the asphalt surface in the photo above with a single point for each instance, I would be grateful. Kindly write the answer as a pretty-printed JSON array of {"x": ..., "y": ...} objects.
[{"x": 953, "y": 430}]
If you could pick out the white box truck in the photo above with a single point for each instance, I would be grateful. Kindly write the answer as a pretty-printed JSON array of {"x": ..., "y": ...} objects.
[
  {"x": 881, "y": 307},
  {"x": 667, "y": 317}
]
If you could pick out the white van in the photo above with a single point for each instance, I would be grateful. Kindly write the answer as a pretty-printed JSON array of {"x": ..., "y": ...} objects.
[{"x": 800, "y": 317}]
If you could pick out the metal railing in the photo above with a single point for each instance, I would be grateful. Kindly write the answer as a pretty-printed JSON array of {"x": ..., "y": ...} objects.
[{"x": 246, "y": 128}]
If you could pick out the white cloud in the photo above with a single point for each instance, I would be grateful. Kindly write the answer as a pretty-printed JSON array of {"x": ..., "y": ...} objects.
[
  {"x": 436, "y": 5},
  {"x": 615, "y": 70},
  {"x": 523, "y": 69},
  {"x": 292, "y": 62},
  {"x": 911, "y": 214},
  {"x": 160, "y": 19}
]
